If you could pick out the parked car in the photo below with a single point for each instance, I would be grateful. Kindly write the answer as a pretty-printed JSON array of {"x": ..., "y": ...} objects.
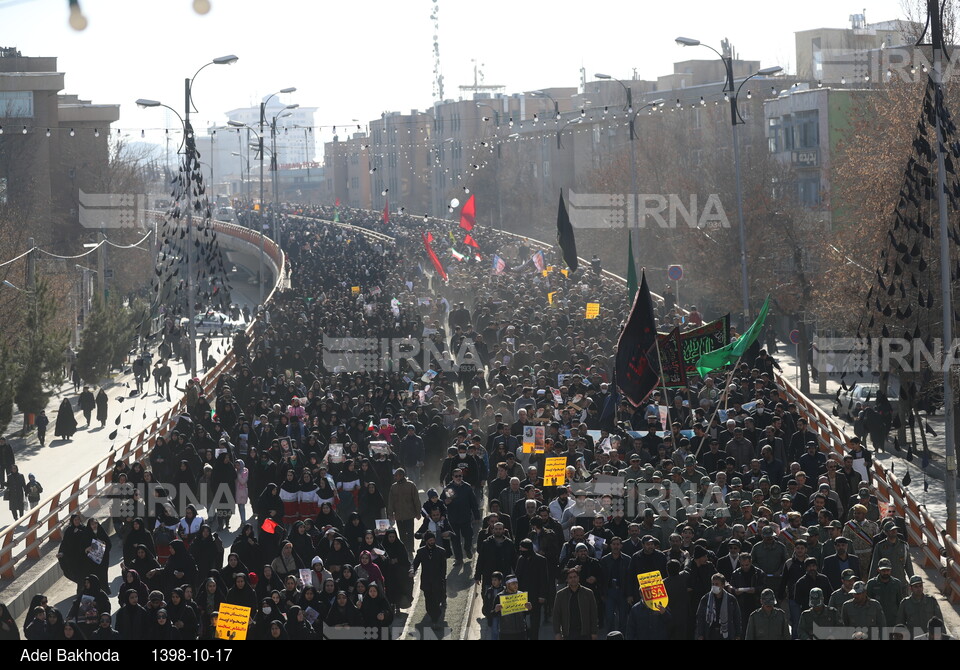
[
  {"x": 865, "y": 393},
  {"x": 212, "y": 321}
]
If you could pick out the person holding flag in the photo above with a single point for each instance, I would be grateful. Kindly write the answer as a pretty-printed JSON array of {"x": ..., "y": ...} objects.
[
  {"x": 427, "y": 239},
  {"x": 637, "y": 370},
  {"x": 565, "y": 238},
  {"x": 733, "y": 352},
  {"x": 539, "y": 261}
]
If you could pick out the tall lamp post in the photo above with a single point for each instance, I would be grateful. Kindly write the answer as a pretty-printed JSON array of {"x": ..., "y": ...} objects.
[
  {"x": 263, "y": 120},
  {"x": 633, "y": 156},
  {"x": 243, "y": 159},
  {"x": 496, "y": 133},
  {"x": 190, "y": 150},
  {"x": 274, "y": 164},
  {"x": 732, "y": 92},
  {"x": 260, "y": 148}
]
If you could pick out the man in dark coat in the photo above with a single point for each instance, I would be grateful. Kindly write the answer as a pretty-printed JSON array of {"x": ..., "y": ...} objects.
[
  {"x": 494, "y": 554},
  {"x": 87, "y": 404},
  {"x": 433, "y": 581},
  {"x": 462, "y": 510},
  {"x": 533, "y": 573},
  {"x": 646, "y": 560},
  {"x": 835, "y": 564}
]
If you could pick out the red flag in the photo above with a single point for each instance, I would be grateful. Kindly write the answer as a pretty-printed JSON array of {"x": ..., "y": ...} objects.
[
  {"x": 429, "y": 238},
  {"x": 468, "y": 215},
  {"x": 269, "y": 526},
  {"x": 386, "y": 211},
  {"x": 433, "y": 257},
  {"x": 336, "y": 202},
  {"x": 469, "y": 241}
]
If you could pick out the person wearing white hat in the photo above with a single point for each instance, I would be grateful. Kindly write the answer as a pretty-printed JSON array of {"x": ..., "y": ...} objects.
[{"x": 512, "y": 626}]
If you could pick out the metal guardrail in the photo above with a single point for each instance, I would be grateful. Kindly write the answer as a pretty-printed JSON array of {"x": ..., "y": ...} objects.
[
  {"x": 44, "y": 522},
  {"x": 923, "y": 531}
]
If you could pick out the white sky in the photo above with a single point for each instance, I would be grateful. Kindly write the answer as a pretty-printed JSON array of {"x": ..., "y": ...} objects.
[{"x": 357, "y": 59}]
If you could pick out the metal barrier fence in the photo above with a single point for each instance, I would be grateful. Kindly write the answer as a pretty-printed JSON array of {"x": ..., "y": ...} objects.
[
  {"x": 44, "y": 522},
  {"x": 923, "y": 531}
]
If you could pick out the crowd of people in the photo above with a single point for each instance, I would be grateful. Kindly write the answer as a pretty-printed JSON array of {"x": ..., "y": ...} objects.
[{"x": 368, "y": 468}]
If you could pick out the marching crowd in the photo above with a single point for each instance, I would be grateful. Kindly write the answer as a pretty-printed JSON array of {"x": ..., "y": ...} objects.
[{"x": 366, "y": 466}]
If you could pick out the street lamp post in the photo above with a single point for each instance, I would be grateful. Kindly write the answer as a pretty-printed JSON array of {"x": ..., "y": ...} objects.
[
  {"x": 633, "y": 162},
  {"x": 496, "y": 119},
  {"x": 260, "y": 147},
  {"x": 274, "y": 163},
  {"x": 190, "y": 149},
  {"x": 263, "y": 120},
  {"x": 556, "y": 105},
  {"x": 243, "y": 159},
  {"x": 732, "y": 92}
]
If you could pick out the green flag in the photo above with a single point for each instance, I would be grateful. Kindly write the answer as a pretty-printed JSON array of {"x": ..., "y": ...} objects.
[
  {"x": 733, "y": 351},
  {"x": 631, "y": 269},
  {"x": 336, "y": 215}
]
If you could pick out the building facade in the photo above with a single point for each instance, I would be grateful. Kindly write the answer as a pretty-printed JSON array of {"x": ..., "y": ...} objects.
[{"x": 52, "y": 147}]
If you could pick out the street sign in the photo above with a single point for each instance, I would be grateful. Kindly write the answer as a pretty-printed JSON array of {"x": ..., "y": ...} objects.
[
  {"x": 675, "y": 272},
  {"x": 108, "y": 273},
  {"x": 794, "y": 337}
]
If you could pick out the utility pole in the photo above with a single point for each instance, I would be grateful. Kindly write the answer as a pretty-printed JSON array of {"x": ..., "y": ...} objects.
[
  {"x": 101, "y": 268},
  {"x": 189, "y": 143},
  {"x": 31, "y": 278},
  {"x": 950, "y": 480},
  {"x": 263, "y": 106}
]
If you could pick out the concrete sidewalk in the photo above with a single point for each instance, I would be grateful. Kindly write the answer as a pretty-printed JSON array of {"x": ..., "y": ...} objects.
[{"x": 60, "y": 461}]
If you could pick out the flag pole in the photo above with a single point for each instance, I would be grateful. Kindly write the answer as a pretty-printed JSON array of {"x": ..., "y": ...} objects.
[
  {"x": 663, "y": 384},
  {"x": 725, "y": 399},
  {"x": 663, "y": 381}
]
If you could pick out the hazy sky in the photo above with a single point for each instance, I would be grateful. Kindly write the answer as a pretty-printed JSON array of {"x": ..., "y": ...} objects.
[{"x": 357, "y": 59}]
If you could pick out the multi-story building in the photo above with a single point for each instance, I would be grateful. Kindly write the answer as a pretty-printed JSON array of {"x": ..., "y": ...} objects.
[
  {"x": 860, "y": 54},
  {"x": 52, "y": 146},
  {"x": 292, "y": 145},
  {"x": 804, "y": 126},
  {"x": 347, "y": 171},
  {"x": 400, "y": 154}
]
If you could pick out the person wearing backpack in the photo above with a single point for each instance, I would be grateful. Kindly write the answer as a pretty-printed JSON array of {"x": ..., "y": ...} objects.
[{"x": 33, "y": 491}]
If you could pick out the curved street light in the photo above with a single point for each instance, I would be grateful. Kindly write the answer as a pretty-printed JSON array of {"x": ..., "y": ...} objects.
[
  {"x": 736, "y": 120},
  {"x": 629, "y": 108},
  {"x": 263, "y": 120},
  {"x": 259, "y": 146},
  {"x": 556, "y": 105}
]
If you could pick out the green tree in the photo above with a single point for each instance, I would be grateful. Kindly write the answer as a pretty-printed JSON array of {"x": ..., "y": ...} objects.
[
  {"x": 8, "y": 373},
  {"x": 39, "y": 353},
  {"x": 105, "y": 340}
]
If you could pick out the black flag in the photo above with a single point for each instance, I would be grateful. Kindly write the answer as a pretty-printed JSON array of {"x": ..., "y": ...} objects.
[
  {"x": 565, "y": 237},
  {"x": 638, "y": 358}
]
